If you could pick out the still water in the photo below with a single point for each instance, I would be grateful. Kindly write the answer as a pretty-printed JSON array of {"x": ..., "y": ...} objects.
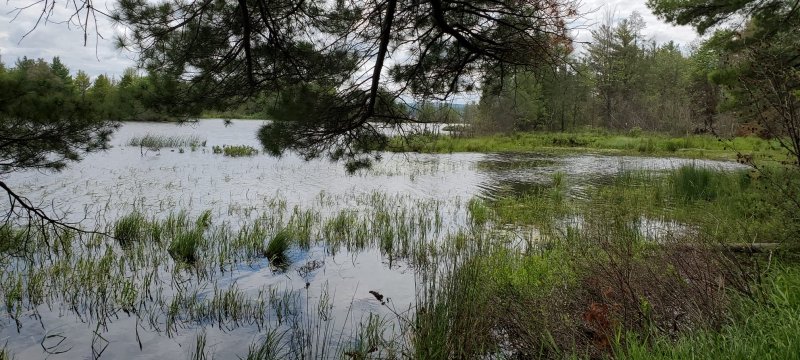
[{"x": 106, "y": 185}]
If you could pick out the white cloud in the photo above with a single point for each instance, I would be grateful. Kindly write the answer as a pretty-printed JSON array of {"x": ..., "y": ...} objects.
[
  {"x": 656, "y": 29},
  {"x": 57, "y": 38}
]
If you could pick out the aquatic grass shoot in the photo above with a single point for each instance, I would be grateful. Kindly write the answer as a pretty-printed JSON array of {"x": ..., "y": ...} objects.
[
  {"x": 235, "y": 150},
  {"x": 130, "y": 228},
  {"x": 692, "y": 183},
  {"x": 277, "y": 247},
  {"x": 184, "y": 246},
  {"x": 156, "y": 142}
]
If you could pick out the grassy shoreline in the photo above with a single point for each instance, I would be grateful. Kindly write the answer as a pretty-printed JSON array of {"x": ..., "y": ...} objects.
[{"x": 690, "y": 146}]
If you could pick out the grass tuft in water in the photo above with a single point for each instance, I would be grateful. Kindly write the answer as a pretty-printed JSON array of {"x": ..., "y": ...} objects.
[
  {"x": 277, "y": 246},
  {"x": 199, "y": 351},
  {"x": 184, "y": 246},
  {"x": 478, "y": 212},
  {"x": 156, "y": 142},
  {"x": 130, "y": 228},
  {"x": 273, "y": 346},
  {"x": 235, "y": 150},
  {"x": 692, "y": 183}
]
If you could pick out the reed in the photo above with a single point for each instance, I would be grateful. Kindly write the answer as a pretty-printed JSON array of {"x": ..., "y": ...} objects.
[{"x": 156, "y": 141}]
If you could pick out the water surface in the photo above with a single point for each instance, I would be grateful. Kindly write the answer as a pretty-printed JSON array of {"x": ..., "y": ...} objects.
[{"x": 105, "y": 185}]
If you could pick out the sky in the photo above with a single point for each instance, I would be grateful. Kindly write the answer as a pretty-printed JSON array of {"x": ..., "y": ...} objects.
[{"x": 99, "y": 56}]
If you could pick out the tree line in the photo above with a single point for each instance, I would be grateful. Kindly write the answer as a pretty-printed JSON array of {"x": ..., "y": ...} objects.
[
  {"x": 132, "y": 96},
  {"x": 621, "y": 81}
]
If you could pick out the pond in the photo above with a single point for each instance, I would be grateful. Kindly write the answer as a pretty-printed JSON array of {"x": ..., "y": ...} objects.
[{"x": 359, "y": 242}]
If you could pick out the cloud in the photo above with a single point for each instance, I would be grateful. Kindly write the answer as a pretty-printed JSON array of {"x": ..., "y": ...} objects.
[
  {"x": 58, "y": 38},
  {"x": 657, "y": 30},
  {"x": 99, "y": 56}
]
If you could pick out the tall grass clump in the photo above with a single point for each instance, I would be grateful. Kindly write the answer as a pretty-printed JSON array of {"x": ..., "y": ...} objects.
[
  {"x": 152, "y": 141},
  {"x": 277, "y": 246},
  {"x": 130, "y": 228},
  {"x": 478, "y": 211},
  {"x": 199, "y": 351},
  {"x": 184, "y": 246},
  {"x": 235, "y": 150},
  {"x": 11, "y": 240},
  {"x": 692, "y": 183},
  {"x": 272, "y": 347}
]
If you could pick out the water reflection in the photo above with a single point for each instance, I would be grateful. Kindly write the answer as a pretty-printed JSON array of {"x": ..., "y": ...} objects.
[{"x": 528, "y": 173}]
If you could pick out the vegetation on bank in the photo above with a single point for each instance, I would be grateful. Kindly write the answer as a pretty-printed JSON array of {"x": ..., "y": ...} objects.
[
  {"x": 593, "y": 283},
  {"x": 689, "y": 146}
]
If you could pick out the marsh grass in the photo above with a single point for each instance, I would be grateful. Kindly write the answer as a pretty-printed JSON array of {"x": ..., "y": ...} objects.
[
  {"x": 271, "y": 347},
  {"x": 594, "y": 288},
  {"x": 235, "y": 150},
  {"x": 155, "y": 141},
  {"x": 690, "y": 146},
  {"x": 692, "y": 183},
  {"x": 603, "y": 288},
  {"x": 130, "y": 228},
  {"x": 184, "y": 246},
  {"x": 199, "y": 351},
  {"x": 277, "y": 247},
  {"x": 12, "y": 240},
  {"x": 4, "y": 354}
]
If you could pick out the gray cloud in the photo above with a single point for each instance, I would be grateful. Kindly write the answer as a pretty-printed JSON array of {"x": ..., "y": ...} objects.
[{"x": 100, "y": 57}]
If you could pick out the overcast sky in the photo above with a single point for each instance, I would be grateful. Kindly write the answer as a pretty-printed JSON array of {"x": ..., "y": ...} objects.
[{"x": 100, "y": 57}]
